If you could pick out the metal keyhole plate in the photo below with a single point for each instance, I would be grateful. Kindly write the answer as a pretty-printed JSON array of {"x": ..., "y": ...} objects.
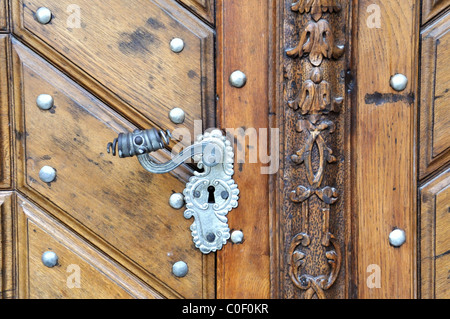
[
  {"x": 211, "y": 194},
  {"x": 215, "y": 193}
]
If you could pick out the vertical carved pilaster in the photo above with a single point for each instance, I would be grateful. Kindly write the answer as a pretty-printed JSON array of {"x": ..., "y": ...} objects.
[{"x": 312, "y": 222}]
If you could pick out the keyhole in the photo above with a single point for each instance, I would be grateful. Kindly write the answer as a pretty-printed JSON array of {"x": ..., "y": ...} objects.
[{"x": 211, "y": 198}]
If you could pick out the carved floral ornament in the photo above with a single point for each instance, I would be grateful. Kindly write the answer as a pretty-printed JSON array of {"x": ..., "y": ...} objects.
[{"x": 315, "y": 102}]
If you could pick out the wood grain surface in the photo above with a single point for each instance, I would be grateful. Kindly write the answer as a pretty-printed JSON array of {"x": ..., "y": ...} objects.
[
  {"x": 384, "y": 184},
  {"x": 434, "y": 143},
  {"x": 243, "y": 271},
  {"x": 124, "y": 207}
]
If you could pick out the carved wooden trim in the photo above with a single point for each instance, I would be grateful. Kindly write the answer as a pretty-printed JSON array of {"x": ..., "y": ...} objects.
[{"x": 312, "y": 219}]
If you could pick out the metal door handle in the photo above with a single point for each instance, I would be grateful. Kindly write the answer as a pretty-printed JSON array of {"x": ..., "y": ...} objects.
[{"x": 209, "y": 195}]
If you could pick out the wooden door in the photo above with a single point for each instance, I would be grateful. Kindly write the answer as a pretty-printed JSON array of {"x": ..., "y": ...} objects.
[
  {"x": 344, "y": 156},
  {"x": 109, "y": 68}
]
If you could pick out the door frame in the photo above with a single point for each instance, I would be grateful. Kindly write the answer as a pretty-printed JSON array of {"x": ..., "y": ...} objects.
[{"x": 252, "y": 36}]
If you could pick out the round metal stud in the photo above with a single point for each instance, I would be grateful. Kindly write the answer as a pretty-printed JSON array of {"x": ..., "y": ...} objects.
[
  {"x": 49, "y": 259},
  {"x": 238, "y": 79},
  {"x": 47, "y": 174},
  {"x": 180, "y": 269},
  {"x": 45, "y": 101},
  {"x": 399, "y": 82},
  {"x": 176, "y": 200},
  {"x": 397, "y": 237},
  {"x": 237, "y": 237},
  {"x": 176, "y": 45},
  {"x": 43, "y": 15},
  {"x": 177, "y": 115}
]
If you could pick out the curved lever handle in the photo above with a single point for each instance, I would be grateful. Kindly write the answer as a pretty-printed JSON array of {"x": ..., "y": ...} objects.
[
  {"x": 212, "y": 155},
  {"x": 209, "y": 195}
]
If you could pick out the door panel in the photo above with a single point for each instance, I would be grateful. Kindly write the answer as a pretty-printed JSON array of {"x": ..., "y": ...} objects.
[
  {"x": 4, "y": 15},
  {"x": 5, "y": 127},
  {"x": 435, "y": 237},
  {"x": 80, "y": 272},
  {"x": 124, "y": 46},
  {"x": 431, "y": 8},
  {"x": 116, "y": 200},
  {"x": 435, "y": 96}
]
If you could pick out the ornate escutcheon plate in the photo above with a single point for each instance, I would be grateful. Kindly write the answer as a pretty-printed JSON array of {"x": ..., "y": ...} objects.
[{"x": 211, "y": 194}]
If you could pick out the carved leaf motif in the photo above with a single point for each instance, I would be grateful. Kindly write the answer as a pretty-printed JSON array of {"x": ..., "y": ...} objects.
[
  {"x": 316, "y": 7},
  {"x": 315, "y": 96},
  {"x": 318, "y": 41}
]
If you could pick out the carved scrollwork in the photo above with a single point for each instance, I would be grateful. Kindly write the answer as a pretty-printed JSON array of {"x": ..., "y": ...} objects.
[{"x": 313, "y": 285}]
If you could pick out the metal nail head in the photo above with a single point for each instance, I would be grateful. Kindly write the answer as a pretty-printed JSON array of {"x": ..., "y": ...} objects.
[
  {"x": 399, "y": 82},
  {"x": 45, "y": 102},
  {"x": 176, "y": 200},
  {"x": 237, "y": 237},
  {"x": 397, "y": 237},
  {"x": 49, "y": 259},
  {"x": 176, "y": 45},
  {"x": 47, "y": 174},
  {"x": 238, "y": 79},
  {"x": 43, "y": 15},
  {"x": 177, "y": 115},
  {"x": 180, "y": 269}
]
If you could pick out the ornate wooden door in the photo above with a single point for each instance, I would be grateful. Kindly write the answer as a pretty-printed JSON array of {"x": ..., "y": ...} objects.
[{"x": 340, "y": 131}]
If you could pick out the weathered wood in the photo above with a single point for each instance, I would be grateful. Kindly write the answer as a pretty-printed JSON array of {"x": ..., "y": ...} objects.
[
  {"x": 435, "y": 237},
  {"x": 243, "y": 34},
  {"x": 434, "y": 143},
  {"x": 113, "y": 202},
  {"x": 384, "y": 180},
  {"x": 81, "y": 271},
  {"x": 431, "y": 8},
  {"x": 203, "y": 8},
  {"x": 7, "y": 260},
  {"x": 120, "y": 50},
  {"x": 5, "y": 117},
  {"x": 4, "y": 16}
]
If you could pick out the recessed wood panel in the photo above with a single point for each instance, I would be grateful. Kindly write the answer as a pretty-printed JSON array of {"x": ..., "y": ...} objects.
[
  {"x": 120, "y": 49},
  {"x": 5, "y": 127},
  {"x": 431, "y": 8},
  {"x": 122, "y": 206},
  {"x": 435, "y": 237},
  {"x": 81, "y": 272},
  {"x": 434, "y": 141},
  {"x": 4, "y": 15}
]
